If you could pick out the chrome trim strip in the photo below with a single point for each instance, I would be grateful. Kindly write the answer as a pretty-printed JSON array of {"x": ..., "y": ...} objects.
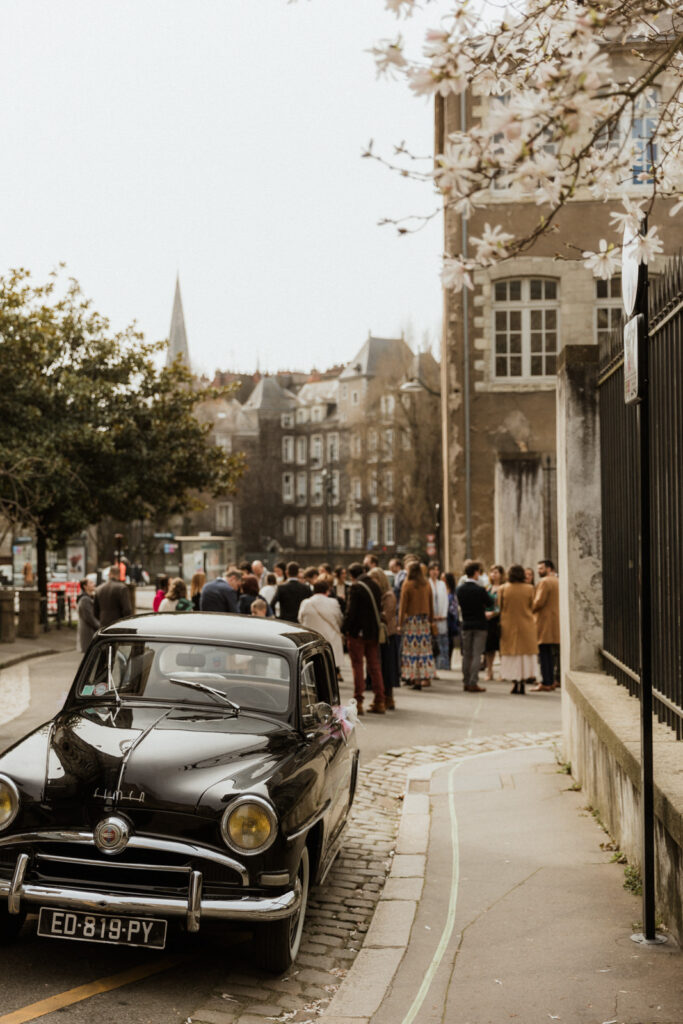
[
  {"x": 135, "y": 842},
  {"x": 15, "y": 886},
  {"x": 48, "y": 751},
  {"x": 243, "y": 908},
  {"x": 307, "y": 826},
  {"x": 108, "y": 864},
  {"x": 194, "y": 901}
]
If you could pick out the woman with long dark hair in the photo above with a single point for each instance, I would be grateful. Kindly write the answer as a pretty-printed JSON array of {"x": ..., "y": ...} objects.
[{"x": 415, "y": 620}]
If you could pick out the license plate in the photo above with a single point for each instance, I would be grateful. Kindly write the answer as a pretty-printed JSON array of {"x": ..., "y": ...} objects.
[{"x": 120, "y": 931}]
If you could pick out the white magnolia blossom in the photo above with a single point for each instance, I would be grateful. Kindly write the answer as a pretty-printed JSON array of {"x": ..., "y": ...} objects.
[
  {"x": 574, "y": 100},
  {"x": 455, "y": 274},
  {"x": 647, "y": 246},
  {"x": 605, "y": 263}
]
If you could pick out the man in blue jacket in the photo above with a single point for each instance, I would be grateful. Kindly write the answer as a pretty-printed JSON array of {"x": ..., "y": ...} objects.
[{"x": 221, "y": 594}]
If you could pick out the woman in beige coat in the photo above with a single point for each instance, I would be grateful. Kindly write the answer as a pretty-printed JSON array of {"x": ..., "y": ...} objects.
[{"x": 518, "y": 642}]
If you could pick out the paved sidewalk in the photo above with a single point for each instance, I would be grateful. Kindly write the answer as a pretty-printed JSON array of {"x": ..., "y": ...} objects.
[
  {"x": 501, "y": 905},
  {"x": 55, "y": 641}
]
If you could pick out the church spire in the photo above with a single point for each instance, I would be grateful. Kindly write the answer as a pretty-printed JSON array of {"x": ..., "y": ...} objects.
[{"x": 177, "y": 338}]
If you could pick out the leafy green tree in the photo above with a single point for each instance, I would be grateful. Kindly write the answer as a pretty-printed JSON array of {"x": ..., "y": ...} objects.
[{"x": 91, "y": 425}]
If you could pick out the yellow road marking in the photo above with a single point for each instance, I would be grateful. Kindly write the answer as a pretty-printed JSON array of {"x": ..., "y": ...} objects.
[{"x": 77, "y": 995}]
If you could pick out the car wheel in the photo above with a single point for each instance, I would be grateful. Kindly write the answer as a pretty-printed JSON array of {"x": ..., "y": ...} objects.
[
  {"x": 10, "y": 925},
  {"x": 279, "y": 941}
]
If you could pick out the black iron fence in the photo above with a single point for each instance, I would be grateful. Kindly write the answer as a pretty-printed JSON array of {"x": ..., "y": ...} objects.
[{"x": 620, "y": 503}]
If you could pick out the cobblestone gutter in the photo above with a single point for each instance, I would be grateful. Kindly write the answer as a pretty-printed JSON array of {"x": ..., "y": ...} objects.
[{"x": 340, "y": 911}]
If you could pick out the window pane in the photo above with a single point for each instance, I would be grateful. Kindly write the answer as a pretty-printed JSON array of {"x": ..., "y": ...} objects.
[
  {"x": 515, "y": 290},
  {"x": 551, "y": 342},
  {"x": 603, "y": 319},
  {"x": 537, "y": 366},
  {"x": 601, "y": 288},
  {"x": 551, "y": 289},
  {"x": 615, "y": 316},
  {"x": 615, "y": 287},
  {"x": 501, "y": 344},
  {"x": 515, "y": 320},
  {"x": 550, "y": 319},
  {"x": 501, "y": 367},
  {"x": 536, "y": 289},
  {"x": 515, "y": 343},
  {"x": 515, "y": 366},
  {"x": 501, "y": 320},
  {"x": 536, "y": 342},
  {"x": 550, "y": 364},
  {"x": 501, "y": 291},
  {"x": 536, "y": 320}
]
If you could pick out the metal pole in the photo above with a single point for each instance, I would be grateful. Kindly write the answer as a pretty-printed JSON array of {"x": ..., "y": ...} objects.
[
  {"x": 466, "y": 370},
  {"x": 646, "y": 705}
]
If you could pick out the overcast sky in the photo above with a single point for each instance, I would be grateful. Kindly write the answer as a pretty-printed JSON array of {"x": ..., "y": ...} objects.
[{"x": 221, "y": 140}]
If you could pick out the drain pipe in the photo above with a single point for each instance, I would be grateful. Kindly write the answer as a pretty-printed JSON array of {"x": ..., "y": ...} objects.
[{"x": 466, "y": 369}]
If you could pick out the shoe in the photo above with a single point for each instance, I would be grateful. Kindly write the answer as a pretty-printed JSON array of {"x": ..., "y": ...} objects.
[
  {"x": 426, "y": 683},
  {"x": 515, "y": 688},
  {"x": 476, "y": 689},
  {"x": 378, "y": 707},
  {"x": 359, "y": 707},
  {"x": 390, "y": 704},
  {"x": 415, "y": 686},
  {"x": 539, "y": 687},
  {"x": 521, "y": 688}
]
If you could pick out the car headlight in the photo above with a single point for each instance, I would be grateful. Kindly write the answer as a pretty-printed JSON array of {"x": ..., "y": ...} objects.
[
  {"x": 249, "y": 825},
  {"x": 9, "y": 802}
]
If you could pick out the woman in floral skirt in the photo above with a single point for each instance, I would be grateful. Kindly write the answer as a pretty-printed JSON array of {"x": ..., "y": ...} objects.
[{"x": 415, "y": 619}]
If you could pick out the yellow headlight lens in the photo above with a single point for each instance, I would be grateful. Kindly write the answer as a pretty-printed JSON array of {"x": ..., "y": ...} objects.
[
  {"x": 9, "y": 803},
  {"x": 249, "y": 827}
]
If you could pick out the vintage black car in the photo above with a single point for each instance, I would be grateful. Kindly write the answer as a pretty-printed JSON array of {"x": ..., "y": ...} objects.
[{"x": 199, "y": 770}]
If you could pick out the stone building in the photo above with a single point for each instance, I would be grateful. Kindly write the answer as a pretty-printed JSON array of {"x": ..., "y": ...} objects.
[{"x": 500, "y": 349}]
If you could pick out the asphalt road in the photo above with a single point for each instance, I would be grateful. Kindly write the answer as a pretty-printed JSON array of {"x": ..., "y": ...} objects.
[{"x": 36, "y": 969}]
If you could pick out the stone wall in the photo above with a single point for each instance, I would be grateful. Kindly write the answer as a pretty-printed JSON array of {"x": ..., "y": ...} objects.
[{"x": 601, "y": 727}]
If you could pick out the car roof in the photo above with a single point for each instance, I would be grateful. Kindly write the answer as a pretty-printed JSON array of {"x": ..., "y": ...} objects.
[{"x": 221, "y": 627}]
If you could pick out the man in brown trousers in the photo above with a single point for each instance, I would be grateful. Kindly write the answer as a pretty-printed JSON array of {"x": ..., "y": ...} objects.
[{"x": 547, "y": 613}]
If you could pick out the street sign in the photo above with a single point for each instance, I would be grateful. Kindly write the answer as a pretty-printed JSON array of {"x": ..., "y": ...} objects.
[
  {"x": 164, "y": 536},
  {"x": 634, "y": 331},
  {"x": 631, "y": 274}
]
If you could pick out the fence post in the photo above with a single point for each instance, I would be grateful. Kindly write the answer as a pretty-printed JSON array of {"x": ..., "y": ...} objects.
[{"x": 579, "y": 514}]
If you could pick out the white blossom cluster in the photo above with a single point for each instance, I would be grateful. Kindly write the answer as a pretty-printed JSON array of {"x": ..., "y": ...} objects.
[{"x": 575, "y": 99}]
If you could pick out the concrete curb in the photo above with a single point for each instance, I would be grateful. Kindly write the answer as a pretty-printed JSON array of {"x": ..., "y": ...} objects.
[
  {"x": 28, "y": 657},
  {"x": 364, "y": 988}
]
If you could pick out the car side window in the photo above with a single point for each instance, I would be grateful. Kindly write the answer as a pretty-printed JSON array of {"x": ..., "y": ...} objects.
[
  {"x": 333, "y": 685},
  {"x": 308, "y": 694},
  {"x": 315, "y": 685}
]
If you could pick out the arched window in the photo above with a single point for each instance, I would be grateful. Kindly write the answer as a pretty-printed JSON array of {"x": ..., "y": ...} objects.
[{"x": 525, "y": 327}]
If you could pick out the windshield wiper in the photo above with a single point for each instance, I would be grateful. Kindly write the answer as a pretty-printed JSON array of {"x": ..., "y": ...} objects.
[{"x": 192, "y": 684}]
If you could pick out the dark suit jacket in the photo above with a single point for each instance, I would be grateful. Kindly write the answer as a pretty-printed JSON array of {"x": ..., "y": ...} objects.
[
  {"x": 289, "y": 596},
  {"x": 218, "y": 596},
  {"x": 360, "y": 618},
  {"x": 111, "y": 602}
]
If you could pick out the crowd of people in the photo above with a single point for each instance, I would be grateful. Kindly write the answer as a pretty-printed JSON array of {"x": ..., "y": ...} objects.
[{"x": 399, "y": 625}]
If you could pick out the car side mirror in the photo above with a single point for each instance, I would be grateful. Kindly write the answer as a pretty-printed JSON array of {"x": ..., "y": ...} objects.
[{"x": 321, "y": 713}]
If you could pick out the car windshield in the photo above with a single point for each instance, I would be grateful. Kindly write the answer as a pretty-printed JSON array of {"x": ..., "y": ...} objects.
[{"x": 252, "y": 679}]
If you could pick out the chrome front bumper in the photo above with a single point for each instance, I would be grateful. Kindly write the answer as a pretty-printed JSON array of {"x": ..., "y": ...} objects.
[
  {"x": 245, "y": 908},
  {"x": 18, "y": 892}
]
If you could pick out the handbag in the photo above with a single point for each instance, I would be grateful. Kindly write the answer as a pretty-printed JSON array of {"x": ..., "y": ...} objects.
[{"x": 381, "y": 626}]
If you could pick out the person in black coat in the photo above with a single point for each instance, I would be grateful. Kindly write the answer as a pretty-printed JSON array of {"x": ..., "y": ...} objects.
[
  {"x": 112, "y": 600},
  {"x": 361, "y": 630},
  {"x": 290, "y": 594}
]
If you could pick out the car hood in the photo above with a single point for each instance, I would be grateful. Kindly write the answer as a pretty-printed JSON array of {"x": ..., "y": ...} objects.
[{"x": 150, "y": 758}]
